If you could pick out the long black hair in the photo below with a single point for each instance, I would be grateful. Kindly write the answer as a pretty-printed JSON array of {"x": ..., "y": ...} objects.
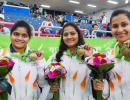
[{"x": 63, "y": 47}]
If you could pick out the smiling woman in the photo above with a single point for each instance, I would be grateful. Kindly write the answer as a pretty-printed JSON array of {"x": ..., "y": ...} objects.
[
  {"x": 19, "y": 39},
  {"x": 28, "y": 71},
  {"x": 74, "y": 85},
  {"x": 70, "y": 37},
  {"x": 119, "y": 80},
  {"x": 20, "y": 36},
  {"x": 121, "y": 27}
]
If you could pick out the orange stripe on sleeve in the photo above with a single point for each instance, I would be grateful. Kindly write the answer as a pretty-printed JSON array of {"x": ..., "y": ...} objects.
[
  {"x": 119, "y": 78},
  {"x": 111, "y": 84},
  {"x": 27, "y": 77},
  {"x": 83, "y": 83},
  {"x": 11, "y": 79},
  {"x": 75, "y": 75}
]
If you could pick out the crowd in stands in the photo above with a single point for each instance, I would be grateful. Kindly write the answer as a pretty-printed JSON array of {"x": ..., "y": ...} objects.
[
  {"x": 3, "y": 29},
  {"x": 35, "y": 10},
  {"x": 46, "y": 23}
]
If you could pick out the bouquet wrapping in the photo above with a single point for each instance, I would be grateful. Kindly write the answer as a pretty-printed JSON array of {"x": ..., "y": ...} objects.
[
  {"x": 6, "y": 65},
  {"x": 54, "y": 72},
  {"x": 99, "y": 64}
]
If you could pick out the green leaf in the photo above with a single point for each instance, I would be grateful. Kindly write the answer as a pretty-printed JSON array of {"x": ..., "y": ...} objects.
[
  {"x": 3, "y": 70},
  {"x": 106, "y": 67},
  {"x": 4, "y": 96}
]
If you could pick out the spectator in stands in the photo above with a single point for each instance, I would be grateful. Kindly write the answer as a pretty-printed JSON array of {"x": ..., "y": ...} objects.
[
  {"x": 1, "y": 8},
  {"x": 3, "y": 29},
  {"x": 103, "y": 20},
  {"x": 26, "y": 74},
  {"x": 34, "y": 8},
  {"x": 94, "y": 33},
  {"x": 47, "y": 26},
  {"x": 90, "y": 20},
  {"x": 60, "y": 18},
  {"x": 85, "y": 32},
  {"x": 1, "y": 3},
  {"x": 35, "y": 11},
  {"x": 62, "y": 24},
  {"x": 108, "y": 34}
]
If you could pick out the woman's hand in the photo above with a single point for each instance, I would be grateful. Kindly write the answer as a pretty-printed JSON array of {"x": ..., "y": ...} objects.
[
  {"x": 98, "y": 85},
  {"x": 127, "y": 43},
  {"x": 37, "y": 55},
  {"x": 85, "y": 50},
  {"x": 54, "y": 87},
  {"x": 88, "y": 50},
  {"x": 125, "y": 49}
]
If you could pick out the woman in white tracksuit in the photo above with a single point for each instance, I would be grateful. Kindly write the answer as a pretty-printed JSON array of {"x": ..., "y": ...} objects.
[
  {"x": 76, "y": 85},
  {"x": 25, "y": 76},
  {"x": 119, "y": 77}
]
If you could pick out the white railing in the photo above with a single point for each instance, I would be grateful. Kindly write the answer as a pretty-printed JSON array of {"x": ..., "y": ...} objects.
[
  {"x": 54, "y": 27},
  {"x": 102, "y": 31},
  {"x": 9, "y": 23},
  {"x": 92, "y": 34}
]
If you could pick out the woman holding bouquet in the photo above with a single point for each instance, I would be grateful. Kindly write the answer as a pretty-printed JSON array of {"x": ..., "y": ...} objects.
[
  {"x": 28, "y": 68},
  {"x": 75, "y": 84},
  {"x": 119, "y": 78}
]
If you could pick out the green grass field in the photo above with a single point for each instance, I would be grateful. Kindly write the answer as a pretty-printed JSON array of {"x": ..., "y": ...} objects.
[{"x": 49, "y": 45}]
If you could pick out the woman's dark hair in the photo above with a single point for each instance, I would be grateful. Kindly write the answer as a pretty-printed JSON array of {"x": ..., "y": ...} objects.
[
  {"x": 120, "y": 11},
  {"x": 22, "y": 24},
  {"x": 63, "y": 47},
  {"x": 94, "y": 25}
]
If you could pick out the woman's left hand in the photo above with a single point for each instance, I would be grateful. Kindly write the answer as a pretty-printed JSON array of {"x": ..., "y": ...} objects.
[
  {"x": 88, "y": 50},
  {"x": 37, "y": 55}
]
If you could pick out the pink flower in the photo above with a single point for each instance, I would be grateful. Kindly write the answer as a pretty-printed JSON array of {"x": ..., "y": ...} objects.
[
  {"x": 103, "y": 55},
  {"x": 96, "y": 55},
  {"x": 109, "y": 61},
  {"x": 11, "y": 63},
  {"x": 51, "y": 75},
  {"x": 7, "y": 64},
  {"x": 47, "y": 70},
  {"x": 3, "y": 62},
  {"x": 103, "y": 61},
  {"x": 99, "y": 55},
  {"x": 54, "y": 74},
  {"x": 55, "y": 70},
  {"x": 63, "y": 71},
  {"x": 96, "y": 61}
]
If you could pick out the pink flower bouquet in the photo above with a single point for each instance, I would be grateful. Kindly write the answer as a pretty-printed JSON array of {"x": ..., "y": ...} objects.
[
  {"x": 54, "y": 72},
  {"x": 6, "y": 65},
  {"x": 99, "y": 64}
]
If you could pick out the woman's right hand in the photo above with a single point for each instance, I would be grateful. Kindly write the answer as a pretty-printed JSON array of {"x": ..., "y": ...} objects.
[
  {"x": 98, "y": 84},
  {"x": 54, "y": 87}
]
